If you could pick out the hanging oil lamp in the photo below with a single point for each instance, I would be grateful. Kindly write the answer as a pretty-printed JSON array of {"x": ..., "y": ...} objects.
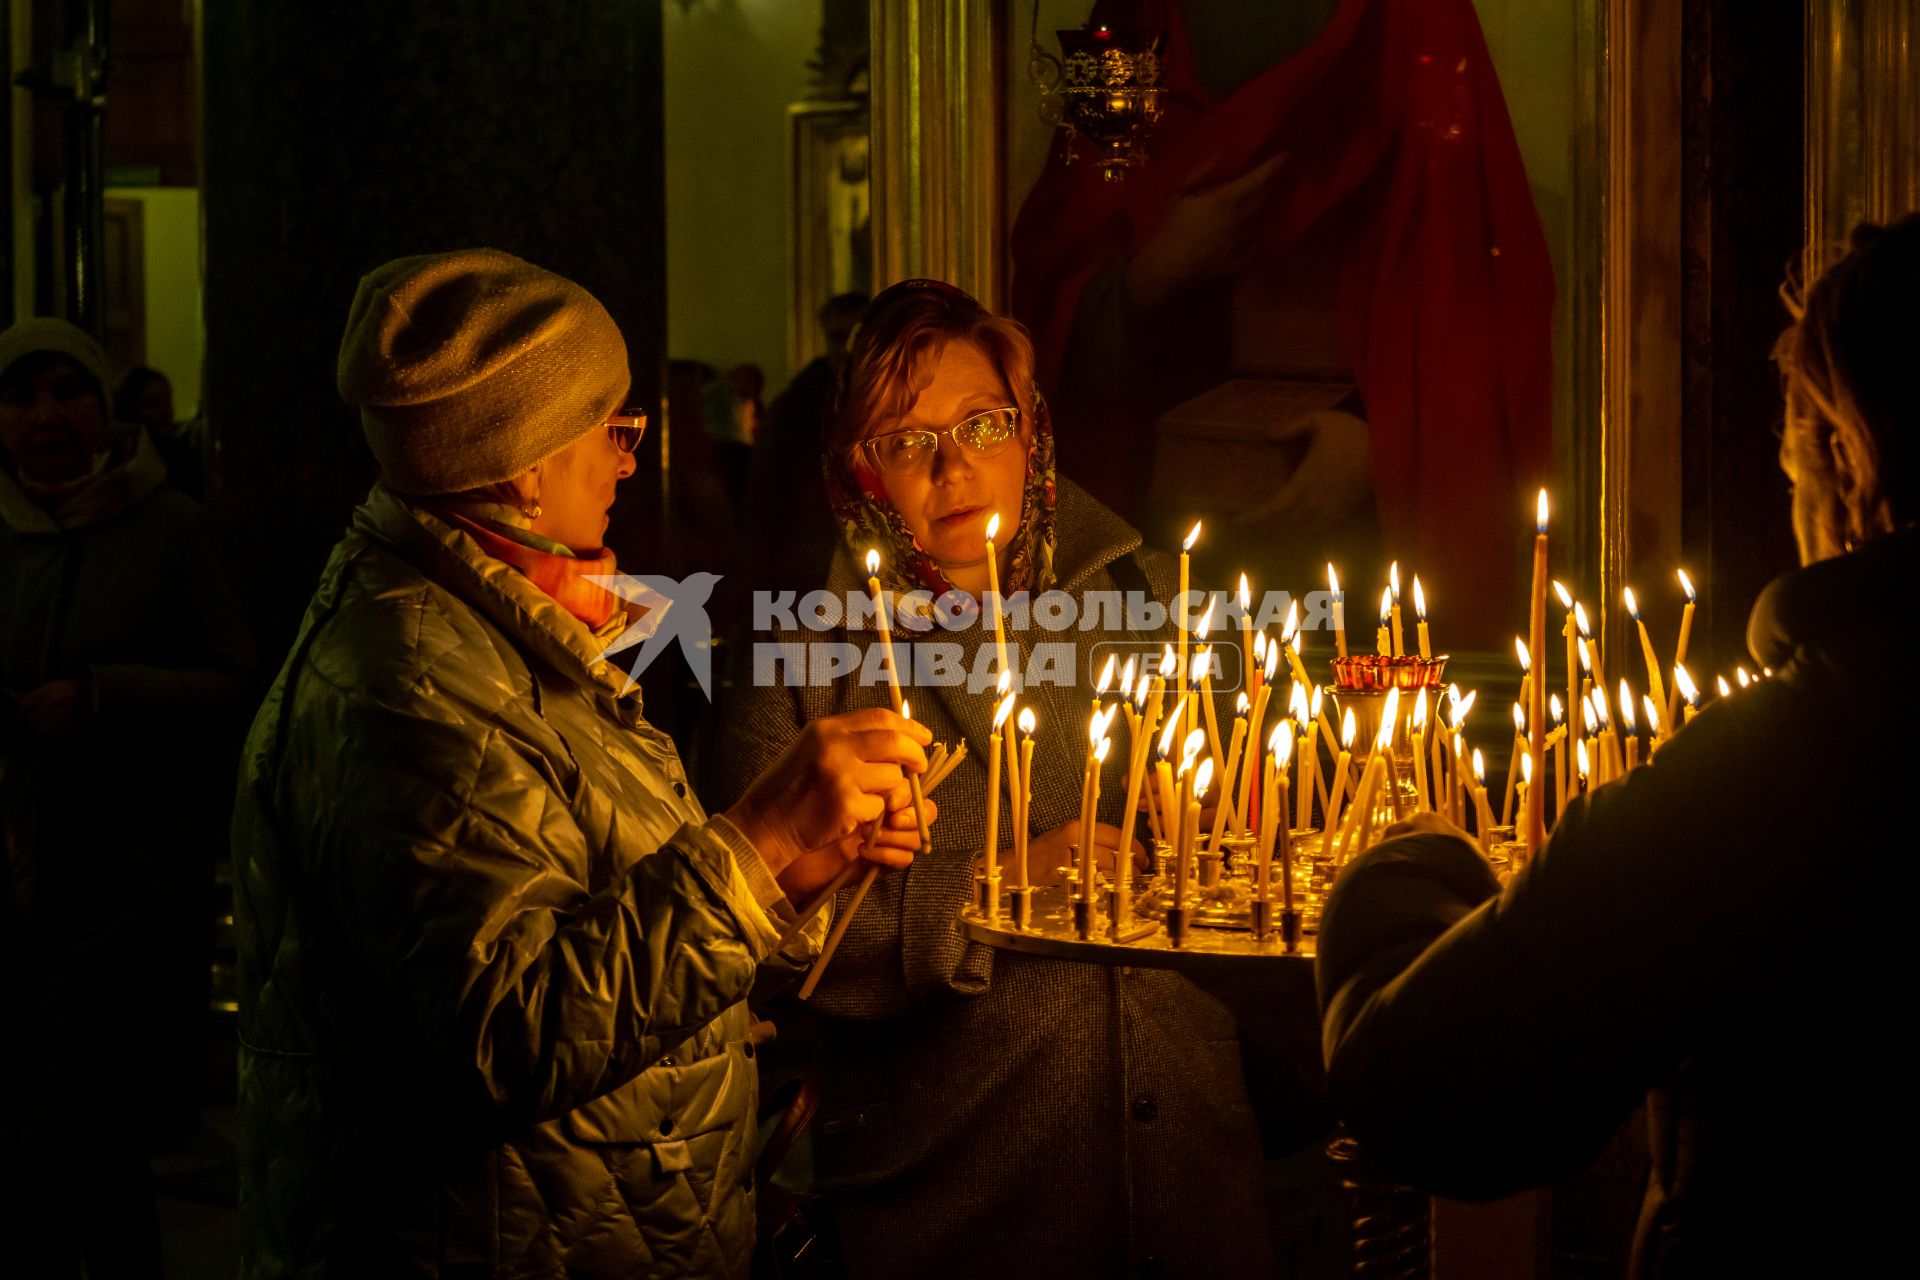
[{"x": 1104, "y": 87}]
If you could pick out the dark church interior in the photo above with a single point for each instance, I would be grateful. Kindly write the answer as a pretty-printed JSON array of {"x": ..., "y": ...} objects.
[{"x": 541, "y": 547}]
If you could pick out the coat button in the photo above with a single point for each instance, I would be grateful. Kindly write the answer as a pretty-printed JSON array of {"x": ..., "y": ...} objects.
[
  {"x": 1145, "y": 1108},
  {"x": 666, "y": 1124},
  {"x": 1151, "y": 1267}
]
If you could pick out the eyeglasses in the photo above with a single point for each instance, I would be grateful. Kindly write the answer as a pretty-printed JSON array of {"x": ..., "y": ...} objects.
[
  {"x": 911, "y": 452},
  {"x": 626, "y": 430}
]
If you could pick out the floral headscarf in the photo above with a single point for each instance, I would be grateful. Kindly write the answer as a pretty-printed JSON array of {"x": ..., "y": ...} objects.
[{"x": 867, "y": 515}]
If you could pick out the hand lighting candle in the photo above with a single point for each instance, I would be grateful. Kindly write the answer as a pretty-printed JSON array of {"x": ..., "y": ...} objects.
[
  {"x": 1536, "y": 643},
  {"x": 1338, "y": 601},
  {"x": 884, "y": 623}
]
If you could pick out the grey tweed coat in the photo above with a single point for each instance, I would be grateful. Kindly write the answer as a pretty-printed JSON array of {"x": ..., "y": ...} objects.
[{"x": 986, "y": 1112}]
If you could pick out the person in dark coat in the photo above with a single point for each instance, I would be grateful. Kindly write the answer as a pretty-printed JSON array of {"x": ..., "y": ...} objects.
[
  {"x": 124, "y": 666},
  {"x": 1725, "y": 931},
  {"x": 983, "y": 1111},
  {"x": 144, "y": 399}
]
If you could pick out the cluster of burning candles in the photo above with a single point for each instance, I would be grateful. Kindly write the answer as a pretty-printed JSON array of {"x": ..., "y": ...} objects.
[{"x": 1415, "y": 756}]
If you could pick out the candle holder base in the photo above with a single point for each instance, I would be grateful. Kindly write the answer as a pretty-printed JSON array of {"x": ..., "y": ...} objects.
[
  {"x": 1290, "y": 931},
  {"x": 1084, "y": 918},
  {"x": 1158, "y": 854},
  {"x": 1260, "y": 916},
  {"x": 1208, "y": 867},
  {"x": 988, "y": 888},
  {"x": 1143, "y": 943},
  {"x": 1020, "y": 902},
  {"x": 1177, "y": 925},
  {"x": 1122, "y": 925}
]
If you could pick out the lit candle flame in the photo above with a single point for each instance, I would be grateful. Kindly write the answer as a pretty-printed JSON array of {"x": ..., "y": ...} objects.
[
  {"x": 1193, "y": 536},
  {"x": 1126, "y": 674},
  {"x": 1166, "y": 738},
  {"x": 1206, "y": 622},
  {"x": 1246, "y": 595},
  {"x": 1566, "y": 596},
  {"x": 1290, "y": 629},
  {"x": 1526, "y": 659},
  {"x": 873, "y": 564},
  {"x": 1195, "y": 743},
  {"x": 1141, "y": 691},
  {"x": 1259, "y": 647},
  {"x": 1203, "y": 779},
  {"x": 1586, "y": 659},
  {"x": 1526, "y": 769},
  {"x": 1240, "y": 704},
  {"x": 1100, "y": 752},
  {"x": 1316, "y": 702},
  {"x": 1273, "y": 663},
  {"x": 1588, "y": 716},
  {"x": 1004, "y": 683},
  {"x": 1419, "y": 600},
  {"x": 1458, "y": 709},
  {"x": 1519, "y": 720},
  {"x": 1720, "y": 682},
  {"x": 1540, "y": 513},
  {"x": 1683, "y": 680},
  {"x": 1347, "y": 731},
  {"x": 1386, "y": 605},
  {"x": 1580, "y": 620},
  {"x": 1201, "y": 665},
  {"x": 1580, "y": 754},
  {"x": 1633, "y": 606},
  {"x": 1168, "y": 663},
  {"x": 1740, "y": 674},
  {"x": 1420, "y": 710},
  {"x": 1027, "y": 721},
  {"x": 1600, "y": 707},
  {"x": 1653, "y": 714},
  {"x": 1106, "y": 677},
  {"x": 1555, "y": 712},
  {"x": 1297, "y": 705},
  {"x": 1393, "y": 579},
  {"x": 1001, "y": 712},
  {"x": 993, "y": 526},
  {"x": 906, "y": 709},
  {"x": 1686, "y": 584},
  {"x": 1479, "y": 768},
  {"x": 1280, "y": 747},
  {"x": 1389, "y": 721},
  {"x": 1626, "y": 709},
  {"x": 1333, "y": 581}
]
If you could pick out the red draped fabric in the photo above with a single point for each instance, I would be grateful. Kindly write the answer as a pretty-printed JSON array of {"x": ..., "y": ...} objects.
[{"x": 1398, "y": 146}]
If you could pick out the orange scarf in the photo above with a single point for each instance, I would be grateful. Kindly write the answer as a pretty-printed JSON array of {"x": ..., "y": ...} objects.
[{"x": 568, "y": 579}]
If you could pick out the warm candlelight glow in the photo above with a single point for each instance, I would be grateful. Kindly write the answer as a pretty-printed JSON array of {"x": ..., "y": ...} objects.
[
  {"x": 873, "y": 563},
  {"x": 1686, "y": 584},
  {"x": 1386, "y": 605},
  {"x": 1633, "y": 606},
  {"x": 1027, "y": 720},
  {"x": 1580, "y": 755},
  {"x": 1193, "y": 536},
  {"x": 1297, "y": 707},
  {"x": 1458, "y": 707},
  {"x": 1192, "y": 747},
  {"x": 1126, "y": 675},
  {"x": 1201, "y": 660},
  {"x": 1168, "y": 663},
  {"x": 1240, "y": 704},
  {"x": 1580, "y": 621},
  {"x": 1540, "y": 513},
  {"x": 1419, "y": 600},
  {"x": 1100, "y": 750},
  {"x": 1347, "y": 731},
  {"x": 1389, "y": 721},
  {"x": 1479, "y": 768},
  {"x": 1246, "y": 595},
  {"x": 1740, "y": 674},
  {"x": 1393, "y": 580},
  {"x": 1588, "y": 716},
  {"x": 1106, "y": 677},
  {"x": 1555, "y": 712},
  {"x": 1333, "y": 581},
  {"x": 1142, "y": 691},
  {"x": 1526, "y": 659},
  {"x": 1272, "y": 664},
  {"x": 1420, "y": 710},
  {"x": 906, "y": 711},
  {"x": 1586, "y": 660},
  {"x": 1167, "y": 736},
  {"x": 1290, "y": 629},
  {"x": 1203, "y": 779},
  {"x": 993, "y": 526},
  {"x": 1280, "y": 747},
  {"x": 1519, "y": 719},
  {"x": 1526, "y": 769},
  {"x": 1626, "y": 709},
  {"x": 1259, "y": 648},
  {"x": 1206, "y": 622},
  {"x": 1315, "y": 708},
  {"x": 1653, "y": 715},
  {"x": 1683, "y": 681},
  {"x": 1720, "y": 682},
  {"x": 1566, "y": 596}
]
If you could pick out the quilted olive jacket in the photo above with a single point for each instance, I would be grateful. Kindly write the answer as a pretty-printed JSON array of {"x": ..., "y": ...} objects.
[{"x": 492, "y": 952}]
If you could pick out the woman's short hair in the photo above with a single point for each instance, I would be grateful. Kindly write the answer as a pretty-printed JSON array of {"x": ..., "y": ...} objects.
[
  {"x": 1850, "y": 369},
  {"x": 900, "y": 338}
]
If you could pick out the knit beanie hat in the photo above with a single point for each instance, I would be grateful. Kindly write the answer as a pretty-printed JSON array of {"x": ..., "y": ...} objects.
[
  {"x": 469, "y": 367},
  {"x": 44, "y": 333}
]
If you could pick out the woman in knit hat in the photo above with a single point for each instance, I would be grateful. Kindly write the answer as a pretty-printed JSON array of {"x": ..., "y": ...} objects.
[
  {"x": 493, "y": 952},
  {"x": 124, "y": 670},
  {"x": 982, "y": 1111}
]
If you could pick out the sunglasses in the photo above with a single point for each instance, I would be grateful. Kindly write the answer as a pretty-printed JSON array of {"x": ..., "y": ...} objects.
[{"x": 626, "y": 430}]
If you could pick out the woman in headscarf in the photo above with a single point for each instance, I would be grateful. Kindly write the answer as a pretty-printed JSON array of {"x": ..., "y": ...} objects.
[
  {"x": 125, "y": 670},
  {"x": 493, "y": 952},
  {"x": 984, "y": 1110}
]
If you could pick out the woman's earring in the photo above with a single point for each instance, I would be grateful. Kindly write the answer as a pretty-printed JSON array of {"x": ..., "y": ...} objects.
[{"x": 532, "y": 510}]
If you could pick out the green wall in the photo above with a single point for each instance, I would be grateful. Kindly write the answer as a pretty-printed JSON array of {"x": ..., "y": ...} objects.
[{"x": 170, "y": 243}]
